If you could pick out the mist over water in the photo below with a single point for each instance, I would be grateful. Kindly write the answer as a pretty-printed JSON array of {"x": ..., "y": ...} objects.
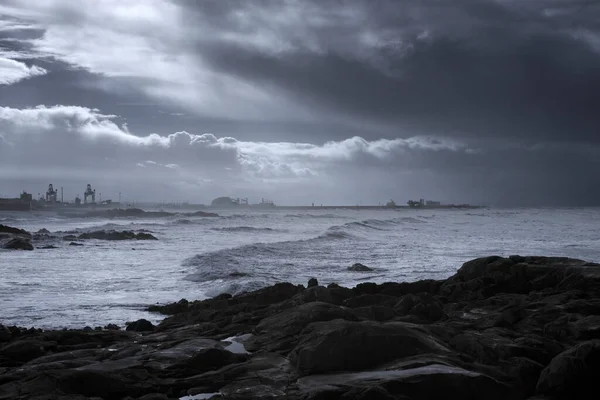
[{"x": 112, "y": 282}]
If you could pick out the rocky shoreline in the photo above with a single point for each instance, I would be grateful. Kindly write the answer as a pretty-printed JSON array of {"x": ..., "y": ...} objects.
[{"x": 500, "y": 328}]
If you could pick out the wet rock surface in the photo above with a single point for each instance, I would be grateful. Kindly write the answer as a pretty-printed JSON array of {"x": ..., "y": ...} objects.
[
  {"x": 111, "y": 235},
  {"x": 18, "y": 244},
  {"x": 14, "y": 238},
  {"x": 500, "y": 328}
]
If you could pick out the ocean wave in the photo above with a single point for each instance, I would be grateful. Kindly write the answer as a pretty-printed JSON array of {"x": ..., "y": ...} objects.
[
  {"x": 242, "y": 229},
  {"x": 335, "y": 234},
  {"x": 307, "y": 215},
  {"x": 246, "y": 216},
  {"x": 235, "y": 288}
]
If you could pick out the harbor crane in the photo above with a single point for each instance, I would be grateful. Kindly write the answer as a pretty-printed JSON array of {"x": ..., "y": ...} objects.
[{"x": 89, "y": 193}]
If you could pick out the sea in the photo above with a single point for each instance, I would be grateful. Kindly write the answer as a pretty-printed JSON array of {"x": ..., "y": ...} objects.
[{"x": 195, "y": 258}]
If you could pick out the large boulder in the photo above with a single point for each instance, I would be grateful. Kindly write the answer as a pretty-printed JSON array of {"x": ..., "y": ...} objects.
[
  {"x": 346, "y": 345},
  {"x": 573, "y": 374},
  {"x": 427, "y": 382},
  {"x": 485, "y": 277},
  {"x": 280, "y": 331},
  {"x": 141, "y": 325},
  {"x": 25, "y": 350}
]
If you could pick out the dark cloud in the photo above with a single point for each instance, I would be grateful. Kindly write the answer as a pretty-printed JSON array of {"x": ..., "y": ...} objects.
[
  {"x": 497, "y": 99},
  {"x": 483, "y": 69}
]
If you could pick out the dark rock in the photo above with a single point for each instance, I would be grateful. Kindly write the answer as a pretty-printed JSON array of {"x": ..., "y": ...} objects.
[
  {"x": 358, "y": 267},
  {"x": 423, "y": 306},
  {"x": 102, "y": 383},
  {"x": 112, "y": 235},
  {"x": 43, "y": 231},
  {"x": 50, "y": 246},
  {"x": 270, "y": 295},
  {"x": 498, "y": 329},
  {"x": 75, "y": 244},
  {"x": 344, "y": 345},
  {"x": 5, "y": 333},
  {"x": 112, "y": 327},
  {"x": 18, "y": 244},
  {"x": 25, "y": 350},
  {"x": 154, "y": 396},
  {"x": 170, "y": 309},
  {"x": 375, "y": 313},
  {"x": 206, "y": 360},
  {"x": 429, "y": 381},
  {"x": 280, "y": 332},
  {"x": 141, "y": 325},
  {"x": 572, "y": 374},
  {"x": 366, "y": 288},
  {"x": 587, "y": 328},
  {"x": 13, "y": 231},
  {"x": 312, "y": 282},
  {"x": 370, "y": 300}
]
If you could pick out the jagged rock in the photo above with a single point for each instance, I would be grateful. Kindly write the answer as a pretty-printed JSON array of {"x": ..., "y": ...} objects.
[
  {"x": 43, "y": 231},
  {"x": 18, "y": 244},
  {"x": 358, "y": 267},
  {"x": 141, "y": 325},
  {"x": 13, "y": 231},
  {"x": 312, "y": 282}
]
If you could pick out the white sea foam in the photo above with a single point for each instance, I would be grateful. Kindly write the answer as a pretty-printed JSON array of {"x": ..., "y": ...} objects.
[{"x": 112, "y": 282}]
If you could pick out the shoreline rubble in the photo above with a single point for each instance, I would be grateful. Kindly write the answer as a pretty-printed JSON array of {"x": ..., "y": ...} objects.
[{"x": 500, "y": 328}]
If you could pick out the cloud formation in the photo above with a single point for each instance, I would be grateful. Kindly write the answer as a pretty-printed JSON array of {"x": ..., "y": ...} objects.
[
  {"x": 472, "y": 100},
  {"x": 87, "y": 145},
  {"x": 12, "y": 71}
]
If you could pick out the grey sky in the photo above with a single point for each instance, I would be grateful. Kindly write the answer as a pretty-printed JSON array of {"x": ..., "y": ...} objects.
[{"x": 331, "y": 101}]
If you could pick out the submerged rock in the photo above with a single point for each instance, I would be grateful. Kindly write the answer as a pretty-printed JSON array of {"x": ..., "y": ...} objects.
[
  {"x": 358, "y": 267},
  {"x": 112, "y": 235}
]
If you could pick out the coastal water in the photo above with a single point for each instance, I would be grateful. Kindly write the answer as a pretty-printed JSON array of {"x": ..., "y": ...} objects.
[{"x": 112, "y": 282}]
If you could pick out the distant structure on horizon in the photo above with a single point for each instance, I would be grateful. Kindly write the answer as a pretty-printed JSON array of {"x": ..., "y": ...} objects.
[
  {"x": 89, "y": 193},
  {"x": 225, "y": 201},
  {"x": 423, "y": 203},
  {"x": 51, "y": 194}
]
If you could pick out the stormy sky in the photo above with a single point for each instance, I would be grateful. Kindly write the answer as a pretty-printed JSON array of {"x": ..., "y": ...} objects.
[{"x": 491, "y": 102}]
